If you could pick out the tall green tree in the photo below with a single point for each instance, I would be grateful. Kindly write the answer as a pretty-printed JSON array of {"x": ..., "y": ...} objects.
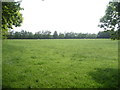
[
  {"x": 11, "y": 16},
  {"x": 111, "y": 19},
  {"x": 55, "y": 35}
]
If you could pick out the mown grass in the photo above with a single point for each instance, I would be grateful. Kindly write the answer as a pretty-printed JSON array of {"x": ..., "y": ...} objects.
[{"x": 60, "y": 63}]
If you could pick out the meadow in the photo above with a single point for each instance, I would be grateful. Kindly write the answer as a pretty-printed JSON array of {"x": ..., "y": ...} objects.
[{"x": 60, "y": 63}]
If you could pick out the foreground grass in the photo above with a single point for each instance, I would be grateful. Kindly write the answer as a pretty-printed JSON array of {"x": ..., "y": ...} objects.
[{"x": 60, "y": 63}]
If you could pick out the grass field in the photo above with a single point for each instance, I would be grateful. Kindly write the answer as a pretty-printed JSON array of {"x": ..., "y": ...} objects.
[{"x": 84, "y": 63}]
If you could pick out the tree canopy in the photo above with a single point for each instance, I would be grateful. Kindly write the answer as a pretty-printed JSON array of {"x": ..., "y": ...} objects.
[
  {"x": 11, "y": 16},
  {"x": 55, "y": 35},
  {"x": 111, "y": 19}
]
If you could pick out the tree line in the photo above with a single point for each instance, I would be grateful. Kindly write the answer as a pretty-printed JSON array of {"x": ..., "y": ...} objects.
[{"x": 48, "y": 35}]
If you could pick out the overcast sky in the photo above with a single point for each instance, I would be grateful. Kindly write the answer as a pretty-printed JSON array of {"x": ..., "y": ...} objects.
[{"x": 63, "y": 15}]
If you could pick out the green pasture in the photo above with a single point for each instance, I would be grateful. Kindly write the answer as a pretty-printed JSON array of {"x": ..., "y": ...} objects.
[{"x": 60, "y": 63}]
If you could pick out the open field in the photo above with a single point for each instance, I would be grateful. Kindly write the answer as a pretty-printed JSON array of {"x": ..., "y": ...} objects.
[{"x": 84, "y": 63}]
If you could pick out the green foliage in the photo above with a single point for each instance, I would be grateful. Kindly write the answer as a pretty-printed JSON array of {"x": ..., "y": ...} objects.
[
  {"x": 47, "y": 35},
  {"x": 61, "y": 35},
  {"x": 11, "y": 16},
  {"x": 55, "y": 35},
  {"x": 111, "y": 19},
  {"x": 105, "y": 34},
  {"x": 64, "y": 63}
]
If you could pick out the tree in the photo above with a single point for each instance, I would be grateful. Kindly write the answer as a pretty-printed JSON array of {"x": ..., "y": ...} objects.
[
  {"x": 38, "y": 35},
  {"x": 69, "y": 35},
  {"x": 11, "y": 16},
  {"x": 111, "y": 19},
  {"x": 47, "y": 34},
  {"x": 105, "y": 34},
  {"x": 55, "y": 35},
  {"x": 91, "y": 36},
  {"x": 61, "y": 36},
  {"x": 17, "y": 35},
  {"x": 10, "y": 35}
]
